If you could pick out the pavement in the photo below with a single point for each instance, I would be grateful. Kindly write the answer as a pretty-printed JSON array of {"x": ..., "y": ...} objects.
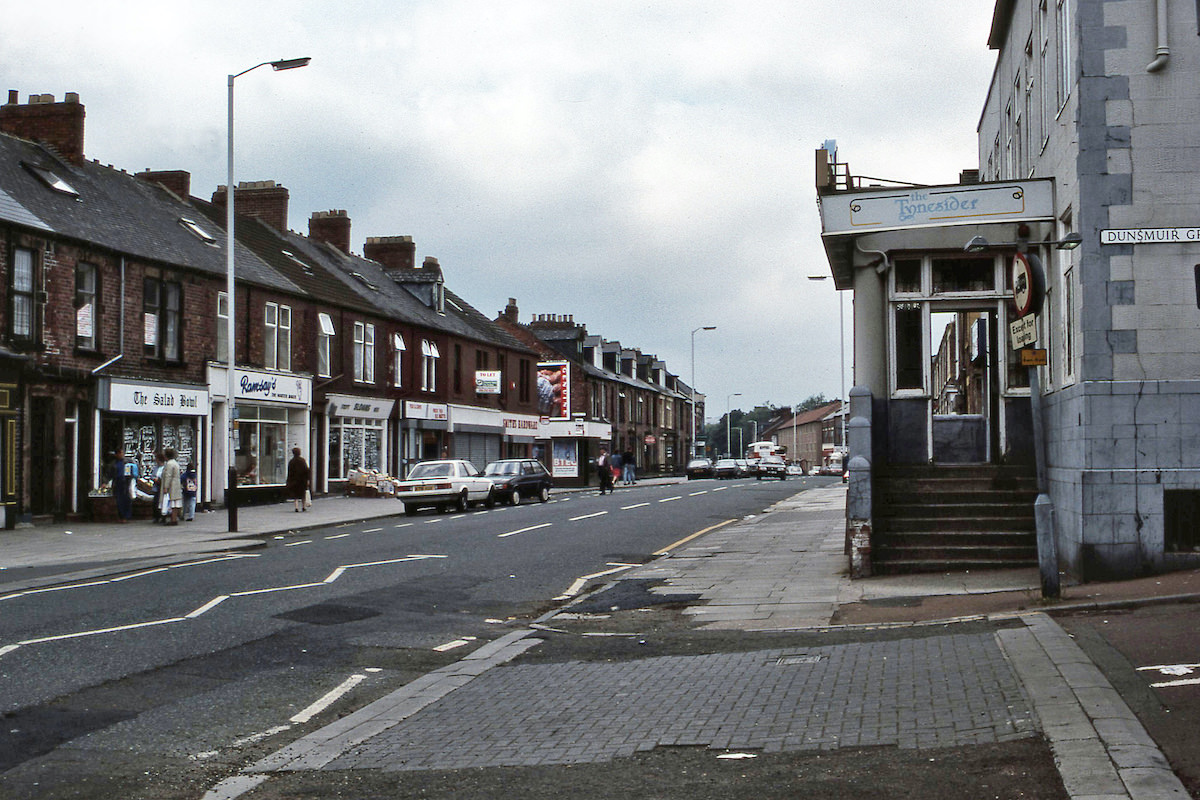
[{"x": 782, "y": 570}]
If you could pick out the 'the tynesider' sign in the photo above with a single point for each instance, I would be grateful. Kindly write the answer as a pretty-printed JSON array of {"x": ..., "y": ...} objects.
[{"x": 960, "y": 204}]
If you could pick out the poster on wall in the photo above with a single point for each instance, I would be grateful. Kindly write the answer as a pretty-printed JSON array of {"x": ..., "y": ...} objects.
[
  {"x": 554, "y": 389},
  {"x": 566, "y": 458}
]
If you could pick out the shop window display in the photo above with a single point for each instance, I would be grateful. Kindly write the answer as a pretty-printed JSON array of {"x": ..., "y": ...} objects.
[{"x": 261, "y": 446}]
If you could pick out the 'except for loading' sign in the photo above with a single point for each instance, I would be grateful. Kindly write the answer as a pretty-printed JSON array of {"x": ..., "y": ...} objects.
[{"x": 1023, "y": 331}]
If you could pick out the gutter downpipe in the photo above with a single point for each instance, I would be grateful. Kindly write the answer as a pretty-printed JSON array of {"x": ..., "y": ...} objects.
[{"x": 1163, "y": 54}]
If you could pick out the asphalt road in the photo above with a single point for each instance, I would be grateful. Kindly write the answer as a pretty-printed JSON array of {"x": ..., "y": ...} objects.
[
  {"x": 158, "y": 683},
  {"x": 1152, "y": 657}
]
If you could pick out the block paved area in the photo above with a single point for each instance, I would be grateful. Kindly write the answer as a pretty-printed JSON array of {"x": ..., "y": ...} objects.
[{"x": 929, "y": 692}]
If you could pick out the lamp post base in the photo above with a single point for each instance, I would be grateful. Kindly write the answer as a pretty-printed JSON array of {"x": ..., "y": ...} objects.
[{"x": 231, "y": 499}]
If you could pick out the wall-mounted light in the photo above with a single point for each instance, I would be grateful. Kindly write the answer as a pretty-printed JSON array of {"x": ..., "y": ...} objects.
[{"x": 978, "y": 244}]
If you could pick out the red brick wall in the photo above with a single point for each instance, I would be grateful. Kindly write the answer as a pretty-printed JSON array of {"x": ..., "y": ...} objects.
[{"x": 58, "y": 124}]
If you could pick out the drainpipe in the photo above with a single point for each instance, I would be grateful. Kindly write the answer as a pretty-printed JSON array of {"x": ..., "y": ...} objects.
[{"x": 1163, "y": 54}]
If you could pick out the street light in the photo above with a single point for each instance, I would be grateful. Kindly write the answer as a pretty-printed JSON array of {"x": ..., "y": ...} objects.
[
  {"x": 230, "y": 412},
  {"x": 692, "y": 398},
  {"x": 728, "y": 443},
  {"x": 842, "y": 371}
]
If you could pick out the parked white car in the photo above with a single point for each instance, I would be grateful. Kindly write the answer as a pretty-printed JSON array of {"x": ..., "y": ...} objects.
[{"x": 450, "y": 483}]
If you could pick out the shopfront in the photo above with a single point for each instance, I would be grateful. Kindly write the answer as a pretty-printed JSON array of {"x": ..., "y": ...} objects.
[
  {"x": 357, "y": 434},
  {"x": 423, "y": 434},
  {"x": 272, "y": 414},
  {"x": 144, "y": 418}
]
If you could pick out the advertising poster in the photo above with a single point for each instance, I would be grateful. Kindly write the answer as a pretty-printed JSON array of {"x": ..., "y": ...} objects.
[
  {"x": 566, "y": 458},
  {"x": 554, "y": 389}
]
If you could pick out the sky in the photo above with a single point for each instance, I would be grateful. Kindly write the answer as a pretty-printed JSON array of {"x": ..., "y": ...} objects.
[{"x": 646, "y": 167}]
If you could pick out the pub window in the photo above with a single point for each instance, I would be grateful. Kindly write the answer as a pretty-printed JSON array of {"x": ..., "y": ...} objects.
[
  {"x": 162, "y": 305},
  {"x": 24, "y": 314},
  {"x": 86, "y": 311},
  {"x": 910, "y": 351},
  {"x": 907, "y": 274},
  {"x": 963, "y": 275}
]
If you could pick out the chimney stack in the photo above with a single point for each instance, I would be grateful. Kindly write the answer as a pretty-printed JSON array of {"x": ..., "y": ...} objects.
[
  {"x": 511, "y": 312},
  {"x": 264, "y": 200},
  {"x": 176, "y": 181},
  {"x": 393, "y": 252},
  {"x": 59, "y": 125},
  {"x": 331, "y": 227}
]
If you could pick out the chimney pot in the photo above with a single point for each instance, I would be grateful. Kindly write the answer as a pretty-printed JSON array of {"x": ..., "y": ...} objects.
[
  {"x": 392, "y": 252},
  {"x": 57, "y": 125},
  {"x": 331, "y": 227}
]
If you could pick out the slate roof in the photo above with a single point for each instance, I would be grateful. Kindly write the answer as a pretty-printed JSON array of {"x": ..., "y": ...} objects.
[{"x": 115, "y": 211}]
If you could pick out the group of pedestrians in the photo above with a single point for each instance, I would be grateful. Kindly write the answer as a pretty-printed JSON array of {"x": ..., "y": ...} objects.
[
  {"x": 172, "y": 488},
  {"x": 612, "y": 467}
]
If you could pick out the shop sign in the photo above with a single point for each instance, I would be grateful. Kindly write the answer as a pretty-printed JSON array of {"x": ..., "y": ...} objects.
[
  {"x": 417, "y": 410},
  {"x": 487, "y": 381},
  {"x": 343, "y": 405},
  {"x": 523, "y": 426},
  {"x": 149, "y": 398},
  {"x": 649, "y": 439},
  {"x": 271, "y": 387}
]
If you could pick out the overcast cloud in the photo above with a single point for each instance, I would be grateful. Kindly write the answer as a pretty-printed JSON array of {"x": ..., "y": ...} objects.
[{"x": 644, "y": 166}]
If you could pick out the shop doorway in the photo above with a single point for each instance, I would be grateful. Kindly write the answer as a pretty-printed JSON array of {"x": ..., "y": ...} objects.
[{"x": 965, "y": 396}]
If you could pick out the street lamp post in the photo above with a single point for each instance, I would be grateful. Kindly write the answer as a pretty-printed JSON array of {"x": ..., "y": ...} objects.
[
  {"x": 692, "y": 394},
  {"x": 230, "y": 408},
  {"x": 728, "y": 442},
  {"x": 842, "y": 369}
]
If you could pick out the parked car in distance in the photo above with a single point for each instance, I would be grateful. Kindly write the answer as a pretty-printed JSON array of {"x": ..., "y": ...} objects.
[
  {"x": 517, "y": 478},
  {"x": 725, "y": 468},
  {"x": 745, "y": 468},
  {"x": 771, "y": 467},
  {"x": 795, "y": 470},
  {"x": 449, "y": 483},
  {"x": 699, "y": 468}
]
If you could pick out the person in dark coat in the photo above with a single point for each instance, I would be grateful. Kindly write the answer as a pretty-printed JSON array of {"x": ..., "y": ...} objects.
[{"x": 298, "y": 475}]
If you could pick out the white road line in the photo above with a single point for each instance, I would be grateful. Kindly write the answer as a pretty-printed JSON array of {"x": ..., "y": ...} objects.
[
  {"x": 297, "y": 544},
  {"x": 1171, "y": 669},
  {"x": 139, "y": 574},
  {"x": 258, "y": 737},
  {"x": 372, "y": 530},
  {"x": 1166, "y": 684},
  {"x": 587, "y": 516},
  {"x": 635, "y": 505},
  {"x": 523, "y": 530},
  {"x": 432, "y": 521},
  {"x": 105, "y": 581},
  {"x": 579, "y": 583},
  {"x": 234, "y": 787},
  {"x": 404, "y": 525},
  {"x": 329, "y": 699},
  {"x": 669, "y": 499},
  {"x": 697, "y": 494},
  {"x": 209, "y": 606},
  {"x": 720, "y": 488},
  {"x": 337, "y": 536}
]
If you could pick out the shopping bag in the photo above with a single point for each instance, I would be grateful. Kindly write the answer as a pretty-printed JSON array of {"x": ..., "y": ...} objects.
[{"x": 307, "y": 499}]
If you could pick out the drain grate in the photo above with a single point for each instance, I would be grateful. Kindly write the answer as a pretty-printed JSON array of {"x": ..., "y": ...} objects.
[{"x": 797, "y": 659}]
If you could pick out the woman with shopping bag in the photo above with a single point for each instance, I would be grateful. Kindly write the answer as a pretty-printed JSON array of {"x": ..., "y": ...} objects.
[{"x": 298, "y": 475}]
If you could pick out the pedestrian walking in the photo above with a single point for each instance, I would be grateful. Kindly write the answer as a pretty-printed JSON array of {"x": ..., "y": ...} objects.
[
  {"x": 171, "y": 488},
  {"x": 124, "y": 482},
  {"x": 630, "y": 467},
  {"x": 156, "y": 486},
  {"x": 298, "y": 475},
  {"x": 190, "y": 485},
  {"x": 604, "y": 467}
]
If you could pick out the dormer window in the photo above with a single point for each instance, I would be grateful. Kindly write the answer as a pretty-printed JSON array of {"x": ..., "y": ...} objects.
[
  {"x": 194, "y": 228},
  {"x": 51, "y": 179}
]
